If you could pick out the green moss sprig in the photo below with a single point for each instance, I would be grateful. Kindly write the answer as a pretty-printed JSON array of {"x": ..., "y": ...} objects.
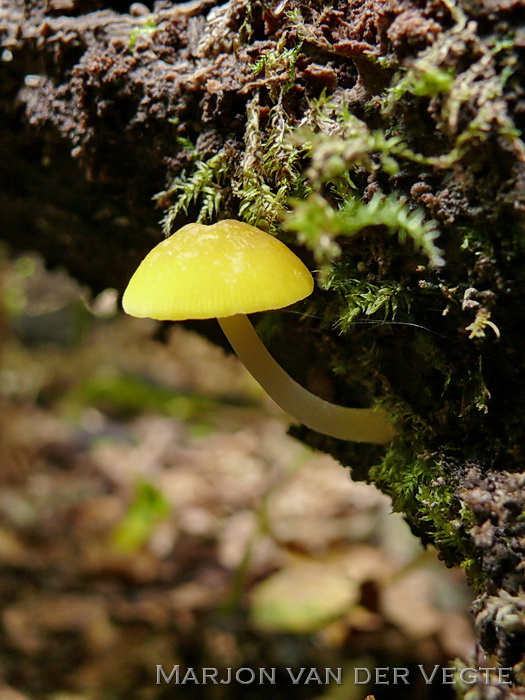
[
  {"x": 363, "y": 298},
  {"x": 204, "y": 185},
  {"x": 317, "y": 223},
  {"x": 270, "y": 171}
]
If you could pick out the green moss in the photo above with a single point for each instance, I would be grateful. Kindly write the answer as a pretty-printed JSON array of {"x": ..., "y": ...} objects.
[
  {"x": 437, "y": 75},
  {"x": 426, "y": 492},
  {"x": 314, "y": 217},
  {"x": 148, "y": 26},
  {"x": 270, "y": 171},
  {"x": 336, "y": 142},
  {"x": 363, "y": 298},
  {"x": 359, "y": 297},
  {"x": 203, "y": 186},
  {"x": 275, "y": 62}
]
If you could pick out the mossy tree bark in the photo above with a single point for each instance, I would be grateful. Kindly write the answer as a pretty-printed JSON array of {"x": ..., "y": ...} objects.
[{"x": 390, "y": 123}]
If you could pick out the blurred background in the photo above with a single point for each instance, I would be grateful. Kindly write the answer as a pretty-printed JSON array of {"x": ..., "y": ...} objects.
[{"x": 153, "y": 511}]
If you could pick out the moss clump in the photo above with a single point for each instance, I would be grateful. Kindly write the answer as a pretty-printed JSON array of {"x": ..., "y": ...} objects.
[
  {"x": 202, "y": 187},
  {"x": 425, "y": 488},
  {"x": 314, "y": 217}
]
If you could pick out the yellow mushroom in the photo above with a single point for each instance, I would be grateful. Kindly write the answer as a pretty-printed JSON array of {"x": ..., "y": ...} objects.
[{"x": 225, "y": 271}]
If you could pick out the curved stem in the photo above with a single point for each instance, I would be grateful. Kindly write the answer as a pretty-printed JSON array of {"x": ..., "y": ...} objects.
[{"x": 356, "y": 424}]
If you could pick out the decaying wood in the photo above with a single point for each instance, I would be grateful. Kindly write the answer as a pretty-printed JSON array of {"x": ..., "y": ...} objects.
[{"x": 94, "y": 109}]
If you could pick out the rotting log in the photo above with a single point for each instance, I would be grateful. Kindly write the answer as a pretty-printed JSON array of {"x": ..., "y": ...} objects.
[{"x": 406, "y": 116}]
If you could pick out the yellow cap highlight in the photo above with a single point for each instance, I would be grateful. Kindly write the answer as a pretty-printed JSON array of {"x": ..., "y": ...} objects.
[{"x": 214, "y": 271}]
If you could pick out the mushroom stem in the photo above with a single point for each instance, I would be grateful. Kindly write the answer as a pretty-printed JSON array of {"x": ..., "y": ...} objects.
[{"x": 355, "y": 424}]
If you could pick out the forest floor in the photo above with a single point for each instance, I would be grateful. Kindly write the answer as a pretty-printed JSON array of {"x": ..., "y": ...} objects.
[{"x": 153, "y": 511}]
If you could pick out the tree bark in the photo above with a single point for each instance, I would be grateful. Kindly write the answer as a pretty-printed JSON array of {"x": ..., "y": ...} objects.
[{"x": 103, "y": 107}]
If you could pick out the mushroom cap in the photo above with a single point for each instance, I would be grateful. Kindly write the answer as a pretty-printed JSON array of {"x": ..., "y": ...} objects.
[{"x": 214, "y": 271}]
